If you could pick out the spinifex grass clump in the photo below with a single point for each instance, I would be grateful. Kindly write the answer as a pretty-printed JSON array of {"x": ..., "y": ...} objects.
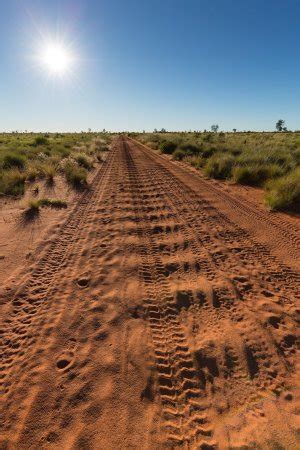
[
  {"x": 219, "y": 166},
  {"x": 179, "y": 154},
  {"x": 12, "y": 182},
  {"x": 13, "y": 160},
  {"x": 83, "y": 160},
  {"x": 284, "y": 193},
  {"x": 49, "y": 170},
  {"x": 76, "y": 176},
  {"x": 40, "y": 140},
  {"x": 33, "y": 207},
  {"x": 168, "y": 147},
  {"x": 256, "y": 175},
  {"x": 31, "y": 212},
  {"x": 53, "y": 203}
]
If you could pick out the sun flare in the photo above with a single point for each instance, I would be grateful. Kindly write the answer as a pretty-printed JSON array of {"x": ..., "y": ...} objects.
[{"x": 56, "y": 59}]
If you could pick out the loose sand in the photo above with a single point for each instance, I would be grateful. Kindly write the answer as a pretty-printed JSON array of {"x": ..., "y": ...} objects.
[{"x": 160, "y": 313}]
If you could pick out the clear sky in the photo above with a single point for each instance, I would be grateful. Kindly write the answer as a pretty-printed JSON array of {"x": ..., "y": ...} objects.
[{"x": 145, "y": 64}]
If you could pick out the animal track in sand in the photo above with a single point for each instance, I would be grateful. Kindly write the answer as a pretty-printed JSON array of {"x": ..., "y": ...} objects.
[{"x": 65, "y": 361}]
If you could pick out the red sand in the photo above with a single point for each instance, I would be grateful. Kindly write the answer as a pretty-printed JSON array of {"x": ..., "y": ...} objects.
[{"x": 160, "y": 314}]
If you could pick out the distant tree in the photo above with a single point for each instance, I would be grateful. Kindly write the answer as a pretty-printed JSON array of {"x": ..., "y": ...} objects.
[
  {"x": 163, "y": 130},
  {"x": 279, "y": 125},
  {"x": 234, "y": 130},
  {"x": 89, "y": 130},
  {"x": 284, "y": 129},
  {"x": 104, "y": 130},
  {"x": 214, "y": 128},
  {"x": 155, "y": 130}
]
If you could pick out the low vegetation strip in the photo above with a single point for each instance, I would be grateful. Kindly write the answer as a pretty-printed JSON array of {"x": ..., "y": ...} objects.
[
  {"x": 27, "y": 157},
  {"x": 268, "y": 160}
]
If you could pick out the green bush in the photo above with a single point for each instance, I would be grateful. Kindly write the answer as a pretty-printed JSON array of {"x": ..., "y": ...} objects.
[
  {"x": 208, "y": 137},
  {"x": 40, "y": 140},
  {"x": 46, "y": 169},
  {"x": 195, "y": 161},
  {"x": 12, "y": 160},
  {"x": 12, "y": 182},
  {"x": 284, "y": 193},
  {"x": 152, "y": 144},
  {"x": 179, "y": 154},
  {"x": 53, "y": 203},
  {"x": 168, "y": 147},
  {"x": 76, "y": 176},
  {"x": 208, "y": 152},
  {"x": 31, "y": 212},
  {"x": 219, "y": 166},
  {"x": 83, "y": 160},
  {"x": 32, "y": 173},
  {"x": 191, "y": 149},
  {"x": 255, "y": 175},
  {"x": 236, "y": 151}
]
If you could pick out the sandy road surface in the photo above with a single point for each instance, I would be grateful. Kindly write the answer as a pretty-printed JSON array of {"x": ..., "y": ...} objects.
[{"x": 153, "y": 319}]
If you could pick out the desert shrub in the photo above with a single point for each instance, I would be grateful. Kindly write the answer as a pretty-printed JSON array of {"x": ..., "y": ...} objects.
[
  {"x": 208, "y": 137},
  {"x": 219, "y": 166},
  {"x": 12, "y": 182},
  {"x": 12, "y": 160},
  {"x": 167, "y": 147},
  {"x": 99, "y": 156},
  {"x": 190, "y": 148},
  {"x": 99, "y": 145},
  {"x": 42, "y": 169},
  {"x": 296, "y": 156},
  {"x": 236, "y": 151},
  {"x": 255, "y": 175},
  {"x": 208, "y": 152},
  {"x": 267, "y": 157},
  {"x": 195, "y": 161},
  {"x": 284, "y": 193},
  {"x": 53, "y": 203},
  {"x": 32, "y": 173},
  {"x": 179, "y": 154},
  {"x": 31, "y": 212},
  {"x": 40, "y": 140},
  {"x": 48, "y": 170},
  {"x": 152, "y": 144},
  {"x": 76, "y": 176},
  {"x": 62, "y": 151},
  {"x": 83, "y": 160}
]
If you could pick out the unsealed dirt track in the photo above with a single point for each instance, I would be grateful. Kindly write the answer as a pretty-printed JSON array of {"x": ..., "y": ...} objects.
[{"x": 153, "y": 319}]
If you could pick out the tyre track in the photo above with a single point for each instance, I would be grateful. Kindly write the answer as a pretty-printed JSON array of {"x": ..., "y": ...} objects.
[
  {"x": 264, "y": 359},
  {"x": 284, "y": 233},
  {"x": 183, "y": 402},
  {"x": 27, "y": 324}
]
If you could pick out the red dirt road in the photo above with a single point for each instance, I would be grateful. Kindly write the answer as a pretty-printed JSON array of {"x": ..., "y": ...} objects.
[{"x": 161, "y": 314}]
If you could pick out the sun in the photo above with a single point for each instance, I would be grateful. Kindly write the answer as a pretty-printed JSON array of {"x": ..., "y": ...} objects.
[{"x": 56, "y": 59}]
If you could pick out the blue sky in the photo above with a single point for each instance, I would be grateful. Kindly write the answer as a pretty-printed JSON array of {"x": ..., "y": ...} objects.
[{"x": 145, "y": 64}]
